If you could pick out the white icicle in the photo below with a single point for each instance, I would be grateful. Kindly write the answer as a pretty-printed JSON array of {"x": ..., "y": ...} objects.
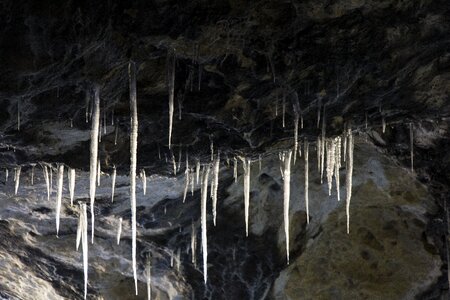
[
  {"x": 383, "y": 124},
  {"x": 59, "y": 195},
  {"x": 322, "y": 152},
  {"x": 47, "y": 181},
  {"x": 295, "y": 135},
  {"x": 197, "y": 172},
  {"x": 215, "y": 187},
  {"x": 50, "y": 170},
  {"x": 84, "y": 243},
  {"x": 211, "y": 147},
  {"x": 94, "y": 156},
  {"x": 235, "y": 165},
  {"x": 331, "y": 160},
  {"x": 192, "y": 179},
  {"x": 17, "y": 179},
  {"x": 193, "y": 244},
  {"x": 306, "y": 157},
  {"x": 79, "y": 229},
  {"x": 71, "y": 184},
  {"x": 171, "y": 81},
  {"x": 119, "y": 230},
  {"x": 32, "y": 173},
  {"x": 179, "y": 159},
  {"x": 205, "y": 176},
  {"x": 345, "y": 137},
  {"x": 348, "y": 180},
  {"x": 133, "y": 159},
  {"x": 144, "y": 181},
  {"x": 99, "y": 172},
  {"x": 178, "y": 260},
  {"x": 148, "y": 277},
  {"x": 186, "y": 183},
  {"x": 246, "y": 165},
  {"x": 287, "y": 192},
  {"x": 113, "y": 183},
  {"x": 6, "y": 174},
  {"x": 319, "y": 151},
  {"x": 174, "y": 164},
  {"x": 116, "y": 134},
  {"x": 411, "y": 145},
  {"x": 337, "y": 166}
]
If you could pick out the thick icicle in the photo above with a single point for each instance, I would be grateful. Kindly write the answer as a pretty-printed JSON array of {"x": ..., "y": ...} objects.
[
  {"x": 306, "y": 157},
  {"x": 193, "y": 244},
  {"x": 411, "y": 145},
  {"x": 148, "y": 278},
  {"x": 17, "y": 179},
  {"x": 246, "y": 165},
  {"x": 348, "y": 181},
  {"x": 71, "y": 184},
  {"x": 287, "y": 191},
  {"x": 113, "y": 183},
  {"x": 99, "y": 172},
  {"x": 215, "y": 187},
  {"x": 47, "y": 180},
  {"x": 94, "y": 156},
  {"x": 119, "y": 230},
  {"x": 59, "y": 195},
  {"x": 171, "y": 83},
  {"x": 205, "y": 176},
  {"x": 144, "y": 181},
  {"x": 133, "y": 159}
]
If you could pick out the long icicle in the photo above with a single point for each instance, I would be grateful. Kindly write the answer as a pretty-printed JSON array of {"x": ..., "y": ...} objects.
[
  {"x": 193, "y": 244},
  {"x": 186, "y": 183},
  {"x": 287, "y": 191},
  {"x": 205, "y": 176},
  {"x": 47, "y": 181},
  {"x": 17, "y": 179},
  {"x": 94, "y": 156},
  {"x": 171, "y": 83},
  {"x": 59, "y": 195},
  {"x": 337, "y": 167},
  {"x": 72, "y": 185},
  {"x": 306, "y": 157},
  {"x": 246, "y": 165},
  {"x": 235, "y": 172},
  {"x": 113, "y": 182},
  {"x": 348, "y": 181},
  {"x": 216, "y": 186},
  {"x": 322, "y": 152},
  {"x": 84, "y": 242},
  {"x": 133, "y": 160}
]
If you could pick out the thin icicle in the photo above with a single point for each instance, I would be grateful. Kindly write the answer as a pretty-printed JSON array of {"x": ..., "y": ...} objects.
[
  {"x": 345, "y": 137},
  {"x": 113, "y": 182},
  {"x": 59, "y": 195},
  {"x": 17, "y": 179},
  {"x": 32, "y": 173},
  {"x": 322, "y": 152},
  {"x": 246, "y": 165},
  {"x": 319, "y": 151},
  {"x": 171, "y": 84},
  {"x": 6, "y": 174},
  {"x": 133, "y": 159},
  {"x": 205, "y": 176},
  {"x": 331, "y": 160},
  {"x": 411, "y": 145},
  {"x": 71, "y": 185},
  {"x": 148, "y": 277},
  {"x": 306, "y": 157},
  {"x": 215, "y": 187},
  {"x": 211, "y": 147},
  {"x": 193, "y": 244},
  {"x": 50, "y": 170},
  {"x": 197, "y": 171},
  {"x": 284, "y": 109},
  {"x": 295, "y": 136},
  {"x": 192, "y": 179},
  {"x": 144, "y": 181},
  {"x": 235, "y": 172},
  {"x": 79, "y": 229},
  {"x": 116, "y": 133},
  {"x": 119, "y": 230},
  {"x": 94, "y": 156},
  {"x": 99, "y": 172},
  {"x": 337, "y": 167},
  {"x": 179, "y": 159},
  {"x": 84, "y": 243},
  {"x": 47, "y": 181},
  {"x": 174, "y": 164},
  {"x": 383, "y": 124},
  {"x": 186, "y": 182},
  {"x": 287, "y": 192},
  {"x": 348, "y": 180}
]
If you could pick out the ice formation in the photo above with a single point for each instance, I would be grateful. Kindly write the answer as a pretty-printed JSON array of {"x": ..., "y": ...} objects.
[
  {"x": 17, "y": 179},
  {"x": 94, "y": 156},
  {"x": 171, "y": 85},
  {"x": 348, "y": 180},
  {"x": 286, "y": 193},
  {"x": 59, "y": 195},
  {"x": 119, "y": 230},
  {"x": 71, "y": 184},
  {"x": 246, "y": 165},
  {"x": 306, "y": 157},
  {"x": 204, "y": 195},
  {"x": 144, "y": 181},
  {"x": 113, "y": 183}
]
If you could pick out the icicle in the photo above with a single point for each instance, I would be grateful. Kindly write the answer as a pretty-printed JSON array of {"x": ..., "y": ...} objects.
[
  {"x": 197, "y": 171},
  {"x": 144, "y": 181},
  {"x": 116, "y": 134},
  {"x": 295, "y": 136},
  {"x": 32, "y": 173},
  {"x": 337, "y": 167},
  {"x": 301, "y": 121},
  {"x": 159, "y": 152},
  {"x": 318, "y": 113},
  {"x": 235, "y": 173},
  {"x": 193, "y": 244},
  {"x": 205, "y": 176},
  {"x": 104, "y": 122},
  {"x": 113, "y": 183},
  {"x": 99, "y": 172},
  {"x": 306, "y": 157},
  {"x": 284, "y": 109},
  {"x": 6, "y": 174},
  {"x": 287, "y": 191},
  {"x": 246, "y": 164},
  {"x": 171, "y": 81},
  {"x": 71, "y": 184},
  {"x": 186, "y": 183},
  {"x": 383, "y": 123},
  {"x": 411, "y": 145},
  {"x": 84, "y": 243},
  {"x": 171, "y": 258},
  {"x": 87, "y": 106},
  {"x": 259, "y": 162},
  {"x": 94, "y": 156},
  {"x": 17, "y": 179},
  {"x": 322, "y": 154},
  {"x": 319, "y": 151},
  {"x": 59, "y": 195},
  {"x": 276, "y": 107},
  {"x": 47, "y": 183},
  {"x": 212, "y": 149},
  {"x": 174, "y": 164},
  {"x": 119, "y": 230},
  {"x": 331, "y": 160},
  {"x": 51, "y": 179},
  {"x": 348, "y": 180},
  {"x": 215, "y": 187},
  {"x": 192, "y": 181},
  {"x": 148, "y": 277},
  {"x": 133, "y": 151},
  {"x": 345, "y": 137},
  {"x": 79, "y": 229}
]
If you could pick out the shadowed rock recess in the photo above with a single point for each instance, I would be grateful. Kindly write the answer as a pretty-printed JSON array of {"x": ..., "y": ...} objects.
[{"x": 243, "y": 75}]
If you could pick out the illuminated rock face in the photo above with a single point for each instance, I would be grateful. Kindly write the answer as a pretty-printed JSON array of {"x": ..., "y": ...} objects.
[{"x": 246, "y": 74}]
